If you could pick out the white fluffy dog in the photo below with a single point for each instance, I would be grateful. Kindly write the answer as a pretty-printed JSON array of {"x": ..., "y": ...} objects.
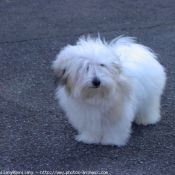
[{"x": 104, "y": 87}]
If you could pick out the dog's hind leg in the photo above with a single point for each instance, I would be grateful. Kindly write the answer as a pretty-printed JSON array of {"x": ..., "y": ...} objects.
[{"x": 150, "y": 112}]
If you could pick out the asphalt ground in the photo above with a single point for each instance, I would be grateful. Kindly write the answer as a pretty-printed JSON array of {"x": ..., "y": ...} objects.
[{"x": 34, "y": 133}]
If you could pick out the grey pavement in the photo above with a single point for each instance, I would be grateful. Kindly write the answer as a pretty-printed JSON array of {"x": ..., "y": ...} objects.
[{"x": 34, "y": 133}]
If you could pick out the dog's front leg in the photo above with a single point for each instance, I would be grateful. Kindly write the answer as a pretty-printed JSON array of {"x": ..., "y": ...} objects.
[
  {"x": 117, "y": 134},
  {"x": 117, "y": 127}
]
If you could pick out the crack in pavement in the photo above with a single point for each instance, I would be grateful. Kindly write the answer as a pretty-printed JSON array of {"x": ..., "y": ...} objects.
[{"x": 80, "y": 34}]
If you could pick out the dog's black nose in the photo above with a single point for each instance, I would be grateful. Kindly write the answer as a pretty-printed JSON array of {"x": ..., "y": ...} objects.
[{"x": 96, "y": 82}]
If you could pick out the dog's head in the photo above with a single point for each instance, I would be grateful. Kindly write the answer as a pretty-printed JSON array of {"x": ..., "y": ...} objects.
[{"x": 88, "y": 70}]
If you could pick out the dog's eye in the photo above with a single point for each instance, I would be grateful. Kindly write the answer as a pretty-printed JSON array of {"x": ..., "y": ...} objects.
[
  {"x": 102, "y": 65},
  {"x": 64, "y": 70},
  {"x": 87, "y": 68}
]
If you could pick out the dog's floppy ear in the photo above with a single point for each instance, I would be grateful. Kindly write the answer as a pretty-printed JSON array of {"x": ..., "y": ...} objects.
[
  {"x": 62, "y": 64},
  {"x": 59, "y": 68},
  {"x": 59, "y": 75}
]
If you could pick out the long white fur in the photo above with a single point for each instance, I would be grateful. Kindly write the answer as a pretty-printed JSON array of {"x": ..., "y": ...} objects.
[{"x": 132, "y": 82}]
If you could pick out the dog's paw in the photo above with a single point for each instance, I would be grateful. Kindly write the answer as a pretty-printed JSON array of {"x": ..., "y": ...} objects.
[
  {"x": 113, "y": 142},
  {"x": 115, "y": 139},
  {"x": 88, "y": 138}
]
